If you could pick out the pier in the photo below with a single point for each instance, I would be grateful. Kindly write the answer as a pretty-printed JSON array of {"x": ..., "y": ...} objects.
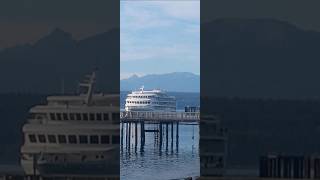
[
  {"x": 163, "y": 126},
  {"x": 158, "y": 117}
]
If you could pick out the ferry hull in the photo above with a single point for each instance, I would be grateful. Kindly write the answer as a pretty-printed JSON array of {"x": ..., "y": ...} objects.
[{"x": 102, "y": 168}]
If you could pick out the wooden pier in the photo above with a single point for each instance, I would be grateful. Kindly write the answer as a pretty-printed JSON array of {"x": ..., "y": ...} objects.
[{"x": 157, "y": 117}]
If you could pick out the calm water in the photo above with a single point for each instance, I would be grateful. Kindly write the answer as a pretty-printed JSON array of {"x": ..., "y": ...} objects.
[{"x": 169, "y": 159}]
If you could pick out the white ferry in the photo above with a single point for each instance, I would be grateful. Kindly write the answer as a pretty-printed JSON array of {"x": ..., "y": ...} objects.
[
  {"x": 152, "y": 100},
  {"x": 74, "y": 135}
]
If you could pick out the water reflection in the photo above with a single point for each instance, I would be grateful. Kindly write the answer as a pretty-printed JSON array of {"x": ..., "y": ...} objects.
[{"x": 169, "y": 150}]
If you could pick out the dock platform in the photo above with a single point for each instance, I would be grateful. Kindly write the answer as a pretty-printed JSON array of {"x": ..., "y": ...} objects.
[{"x": 146, "y": 116}]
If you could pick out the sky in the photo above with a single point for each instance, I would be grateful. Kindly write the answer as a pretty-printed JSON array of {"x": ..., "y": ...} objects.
[
  {"x": 304, "y": 14},
  {"x": 159, "y": 37}
]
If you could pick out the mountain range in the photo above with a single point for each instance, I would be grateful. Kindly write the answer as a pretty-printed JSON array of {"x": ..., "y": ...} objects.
[
  {"x": 57, "y": 58},
  {"x": 265, "y": 58},
  {"x": 239, "y": 57},
  {"x": 174, "y": 82}
]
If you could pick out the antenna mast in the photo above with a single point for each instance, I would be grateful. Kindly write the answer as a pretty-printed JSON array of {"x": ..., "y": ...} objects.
[{"x": 88, "y": 83}]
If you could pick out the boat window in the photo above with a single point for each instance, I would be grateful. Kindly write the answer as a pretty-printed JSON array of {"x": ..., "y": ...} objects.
[
  {"x": 42, "y": 138},
  {"x": 59, "y": 117},
  {"x": 115, "y": 116},
  {"x": 105, "y": 116},
  {"x": 85, "y": 116},
  {"x": 65, "y": 116},
  {"x": 32, "y": 138},
  {"x": 52, "y": 139},
  {"x": 92, "y": 118},
  {"x": 99, "y": 116},
  {"x": 104, "y": 139},
  {"x": 78, "y": 116},
  {"x": 62, "y": 139},
  {"x": 115, "y": 139},
  {"x": 72, "y": 139},
  {"x": 52, "y": 116},
  {"x": 40, "y": 116},
  {"x": 83, "y": 139},
  {"x": 94, "y": 139},
  {"x": 72, "y": 116}
]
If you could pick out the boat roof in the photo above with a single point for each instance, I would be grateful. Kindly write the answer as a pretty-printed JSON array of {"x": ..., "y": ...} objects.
[{"x": 81, "y": 97}]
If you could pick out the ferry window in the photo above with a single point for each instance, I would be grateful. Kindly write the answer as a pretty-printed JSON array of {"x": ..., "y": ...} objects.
[
  {"x": 65, "y": 116},
  {"x": 115, "y": 139},
  {"x": 71, "y": 116},
  {"x": 91, "y": 115},
  {"x": 59, "y": 116},
  {"x": 94, "y": 139},
  {"x": 72, "y": 139},
  {"x": 78, "y": 116},
  {"x": 85, "y": 116},
  {"x": 52, "y": 116},
  {"x": 105, "y": 116},
  {"x": 32, "y": 138},
  {"x": 83, "y": 139},
  {"x": 52, "y": 139},
  {"x": 99, "y": 116},
  {"x": 104, "y": 139},
  {"x": 62, "y": 139},
  {"x": 42, "y": 138},
  {"x": 115, "y": 116}
]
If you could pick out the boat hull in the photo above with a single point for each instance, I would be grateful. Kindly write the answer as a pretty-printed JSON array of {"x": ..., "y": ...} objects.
[{"x": 100, "y": 168}]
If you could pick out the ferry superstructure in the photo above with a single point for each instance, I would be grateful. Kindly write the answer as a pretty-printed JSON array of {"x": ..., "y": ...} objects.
[
  {"x": 74, "y": 135},
  {"x": 150, "y": 100}
]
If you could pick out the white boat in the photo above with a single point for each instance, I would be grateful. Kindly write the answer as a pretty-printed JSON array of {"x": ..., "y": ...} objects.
[
  {"x": 76, "y": 134},
  {"x": 151, "y": 100}
]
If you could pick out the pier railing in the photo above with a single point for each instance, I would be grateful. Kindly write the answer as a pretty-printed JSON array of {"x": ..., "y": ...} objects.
[{"x": 159, "y": 116}]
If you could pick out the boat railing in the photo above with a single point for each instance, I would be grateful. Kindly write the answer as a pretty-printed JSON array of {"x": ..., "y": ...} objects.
[{"x": 148, "y": 115}]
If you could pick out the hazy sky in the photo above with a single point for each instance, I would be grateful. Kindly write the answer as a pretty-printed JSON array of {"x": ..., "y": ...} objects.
[
  {"x": 159, "y": 37},
  {"x": 24, "y": 21},
  {"x": 302, "y": 13}
]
